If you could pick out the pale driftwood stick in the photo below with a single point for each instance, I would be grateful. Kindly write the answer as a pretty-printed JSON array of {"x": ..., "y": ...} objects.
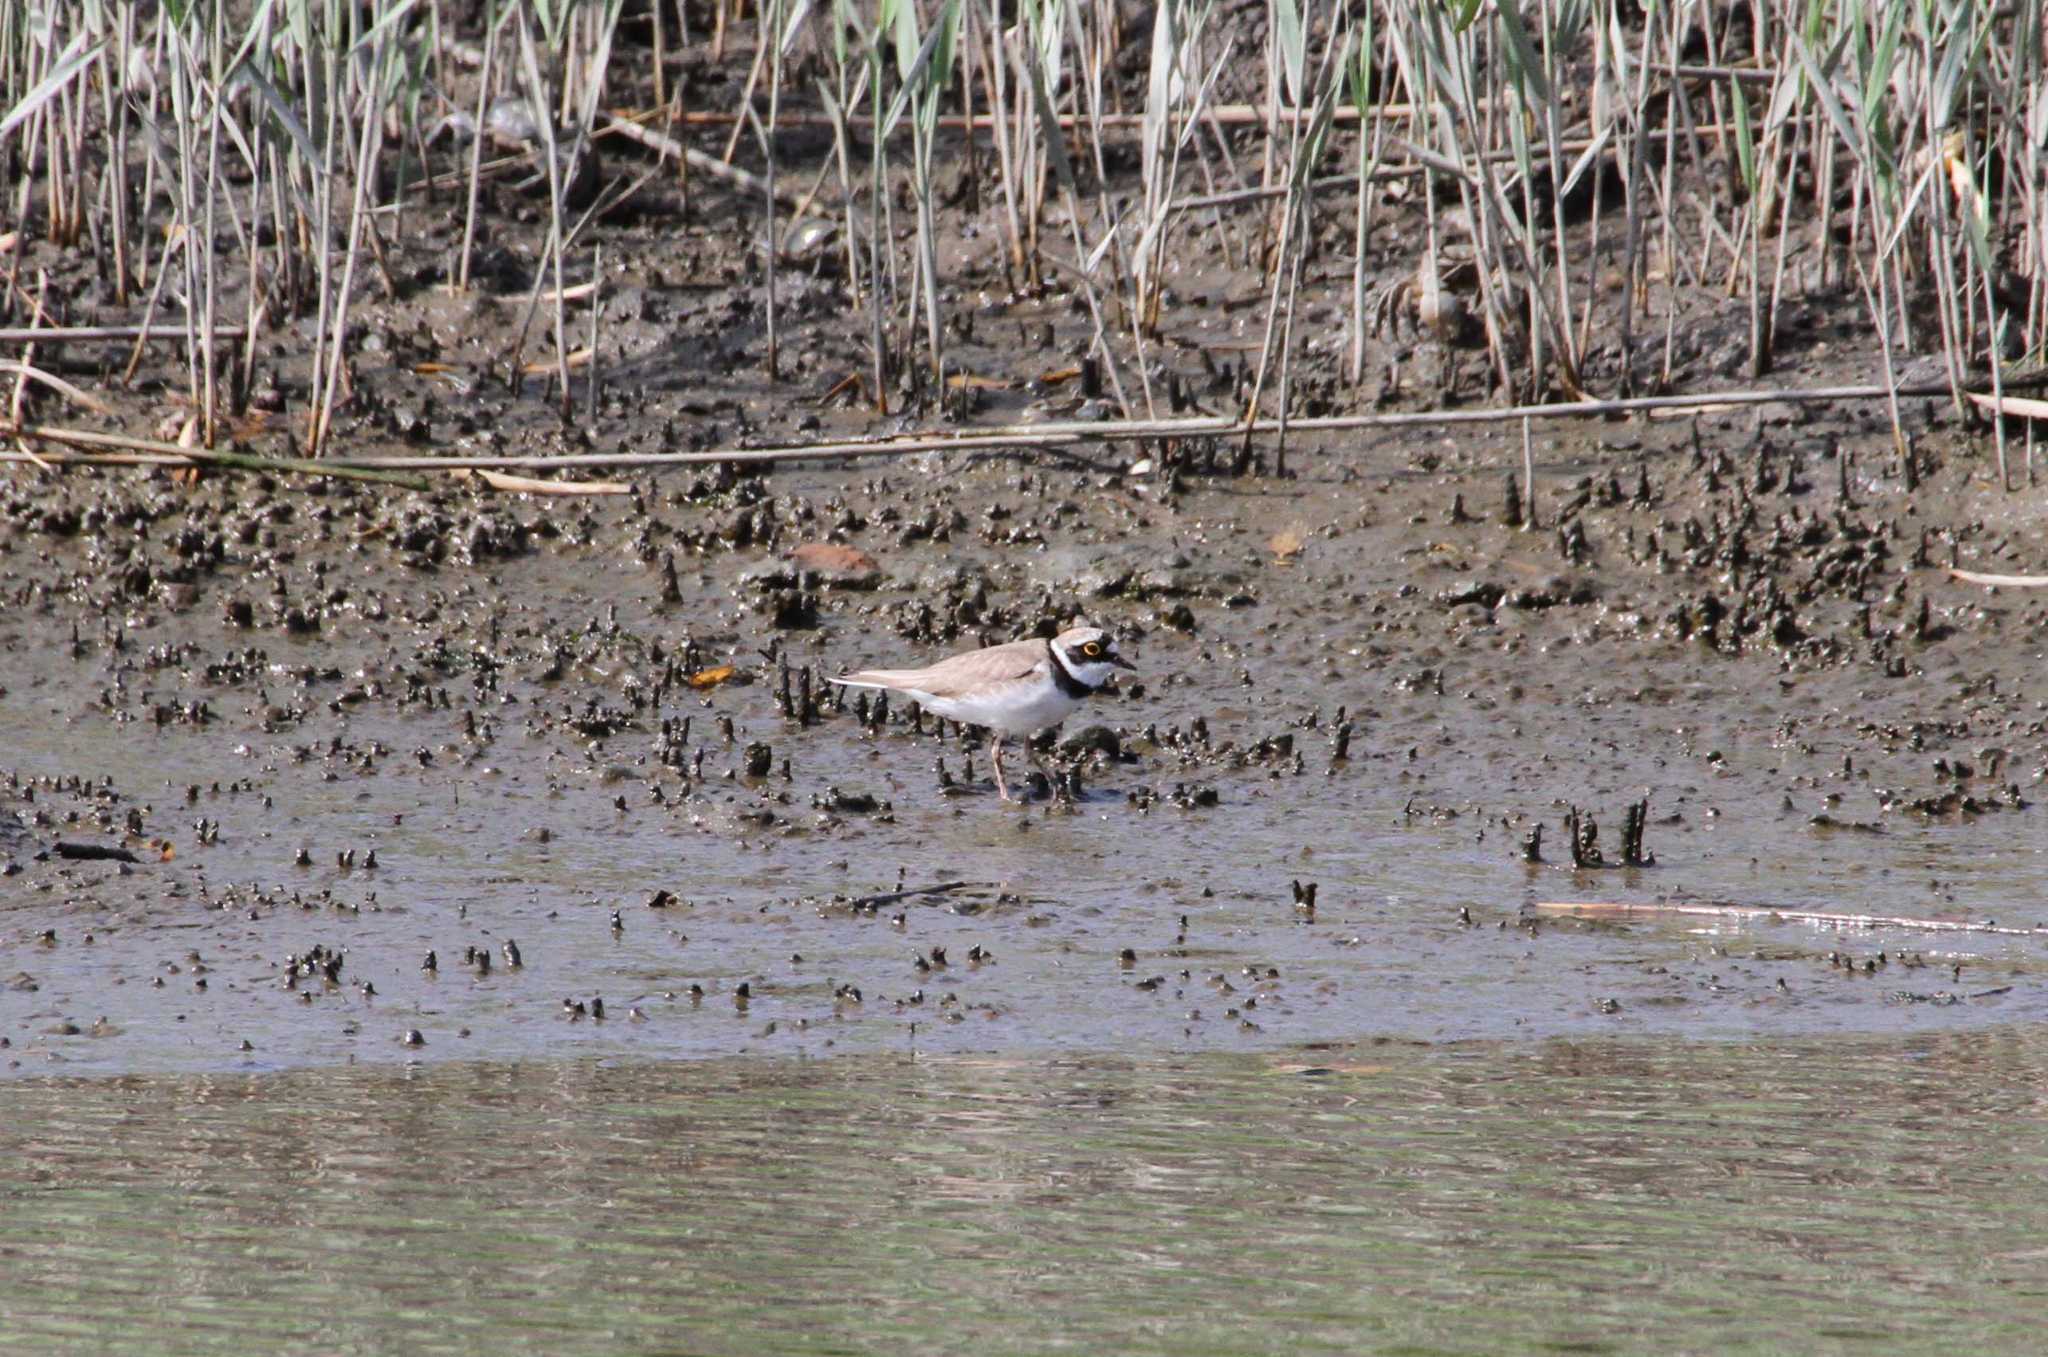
[
  {"x": 527, "y": 485},
  {"x": 629, "y": 127},
  {"x": 699, "y": 160},
  {"x": 1765, "y": 914},
  {"x": 2002, "y": 581},
  {"x": 2008, "y": 405}
]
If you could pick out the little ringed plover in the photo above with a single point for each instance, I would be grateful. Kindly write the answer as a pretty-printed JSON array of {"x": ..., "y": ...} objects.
[{"x": 1019, "y": 689}]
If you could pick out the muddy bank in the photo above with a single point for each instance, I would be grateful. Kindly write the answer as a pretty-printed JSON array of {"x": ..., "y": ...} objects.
[{"x": 344, "y": 729}]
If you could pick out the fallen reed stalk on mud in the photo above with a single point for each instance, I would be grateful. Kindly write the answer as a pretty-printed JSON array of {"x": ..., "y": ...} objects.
[
  {"x": 2000, "y": 581},
  {"x": 913, "y": 892},
  {"x": 1049, "y": 435},
  {"x": 1766, "y": 914},
  {"x": 156, "y": 452},
  {"x": 81, "y": 334}
]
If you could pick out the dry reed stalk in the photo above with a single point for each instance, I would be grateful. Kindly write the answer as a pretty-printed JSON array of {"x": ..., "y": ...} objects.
[
  {"x": 493, "y": 16},
  {"x": 1049, "y": 436},
  {"x": 1766, "y": 914}
]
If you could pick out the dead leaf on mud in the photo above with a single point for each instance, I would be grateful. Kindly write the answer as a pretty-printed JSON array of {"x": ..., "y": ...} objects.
[
  {"x": 1285, "y": 545},
  {"x": 187, "y": 437},
  {"x": 541, "y": 367},
  {"x": 711, "y": 678},
  {"x": 832, "y": 556},
  {"x": 447, "y": 374},
  {"x": 176, "y": 425},
  {"x": 841, "y": 566},
  {"x": 249, "y": 426},
  {"x": 851, "y": 385}
]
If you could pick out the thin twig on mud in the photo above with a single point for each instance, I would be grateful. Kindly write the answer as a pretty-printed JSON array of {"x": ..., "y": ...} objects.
[
  {"x": 942, "y": 888},
  {"x": 1766, "y": 914}
]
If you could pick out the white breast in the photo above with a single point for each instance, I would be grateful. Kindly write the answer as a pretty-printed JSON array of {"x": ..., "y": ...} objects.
[{"x": 1023, "y": 707}]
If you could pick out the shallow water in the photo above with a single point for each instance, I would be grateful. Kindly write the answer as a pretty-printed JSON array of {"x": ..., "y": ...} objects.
[
  {"x": 1056, "y": 899},
  {"x": 1605, "y": 1196}
]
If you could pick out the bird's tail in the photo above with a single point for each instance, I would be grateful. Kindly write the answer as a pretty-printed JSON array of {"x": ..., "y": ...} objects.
[{"x": 881, "y": 678}]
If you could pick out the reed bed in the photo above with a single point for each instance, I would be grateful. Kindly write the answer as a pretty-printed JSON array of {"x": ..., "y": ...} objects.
[{"x": 1549, "y": 186}]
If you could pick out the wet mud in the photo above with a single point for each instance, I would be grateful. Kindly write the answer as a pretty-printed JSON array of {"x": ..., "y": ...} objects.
[
  {"x": 451, "y": 774},
  {"x": 427, "y": 776}
]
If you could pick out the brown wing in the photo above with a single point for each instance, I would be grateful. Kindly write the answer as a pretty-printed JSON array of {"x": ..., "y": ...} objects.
[{"x": 962, "y": 673}]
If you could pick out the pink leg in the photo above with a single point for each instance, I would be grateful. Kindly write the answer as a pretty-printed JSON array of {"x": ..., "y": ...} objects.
[{"x": 995, "y": 754}]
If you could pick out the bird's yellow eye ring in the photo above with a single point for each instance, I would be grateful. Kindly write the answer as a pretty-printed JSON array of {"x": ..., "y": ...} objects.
[{"x": 1092, "y": 648}]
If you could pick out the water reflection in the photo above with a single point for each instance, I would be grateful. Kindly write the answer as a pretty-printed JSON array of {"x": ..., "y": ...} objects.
[{"x": 1590, "y": 1197}]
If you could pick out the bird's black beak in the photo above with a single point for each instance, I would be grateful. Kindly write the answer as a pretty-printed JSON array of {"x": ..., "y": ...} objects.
[{"x": 1122, "y": 663}]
